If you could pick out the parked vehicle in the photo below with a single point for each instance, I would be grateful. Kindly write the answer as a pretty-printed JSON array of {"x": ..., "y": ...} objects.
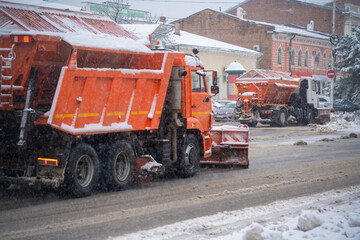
[
  {"x": 345, "y": 105},
  {"x": 74, "y": 112},
  {"x": 215, "y": 105},
  {"x": 274, "y": 97},
  {"x": 226, "y": 112},
  {"x": 324, "y": 101},
  {"x": 223, "y": 102}
]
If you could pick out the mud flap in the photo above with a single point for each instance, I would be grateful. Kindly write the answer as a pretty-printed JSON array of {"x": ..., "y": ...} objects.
[{"x": 230, "y": 146}]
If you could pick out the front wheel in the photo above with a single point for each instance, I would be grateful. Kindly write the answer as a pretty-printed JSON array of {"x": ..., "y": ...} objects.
[
  {"x": 82, "y": 171},
  {"x": 189, "y": 159}
]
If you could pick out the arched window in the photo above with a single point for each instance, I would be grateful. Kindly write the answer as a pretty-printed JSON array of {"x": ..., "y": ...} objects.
[
  {"x": 300, "y": 58},
  {"x": 317, "y": 60},
  {"x": 324, "y": 62},
  {"x": 313, "y": 56},
  {"x": 292, "y": 57},
  {"x": 306, "y": 63},
  {"x": 279, "y": 56}
]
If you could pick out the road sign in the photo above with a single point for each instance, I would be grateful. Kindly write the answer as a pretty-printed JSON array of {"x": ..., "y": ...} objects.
[{"x": 330, "y": 74}]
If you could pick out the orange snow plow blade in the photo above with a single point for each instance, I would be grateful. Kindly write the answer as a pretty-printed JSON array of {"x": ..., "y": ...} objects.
[{"x": 230, "y": 146}]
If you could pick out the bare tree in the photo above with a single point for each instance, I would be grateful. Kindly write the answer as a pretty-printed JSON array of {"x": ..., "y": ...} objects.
[{"x": 118, "y": 11}]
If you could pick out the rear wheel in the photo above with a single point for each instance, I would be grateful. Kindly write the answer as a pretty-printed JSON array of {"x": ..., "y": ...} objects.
[
  {"x": 82, "y": 171},
  {"x": 189, "y": 160},
  {"x": 119, "y": 165},
  {"x": 309, "y": 118},
  {"x": 282, "y": 121}
]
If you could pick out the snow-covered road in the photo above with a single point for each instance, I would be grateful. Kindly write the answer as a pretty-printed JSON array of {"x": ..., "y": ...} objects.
[{"x": 331, "y": 215}]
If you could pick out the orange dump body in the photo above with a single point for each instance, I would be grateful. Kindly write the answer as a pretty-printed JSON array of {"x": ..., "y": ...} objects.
[
  {"x": 261, "y": 87},
  {"x": 100, "y": 100}
]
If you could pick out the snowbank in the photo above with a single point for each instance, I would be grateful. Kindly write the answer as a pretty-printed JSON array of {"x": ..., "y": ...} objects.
[
  {"x": 324, "y": 216},
  {"x": 341, "y": 121}
]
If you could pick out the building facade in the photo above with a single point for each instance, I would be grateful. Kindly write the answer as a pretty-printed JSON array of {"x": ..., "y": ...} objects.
[
  {"x": 294, "y": 50},
  {"x": 302, "y": 13}
]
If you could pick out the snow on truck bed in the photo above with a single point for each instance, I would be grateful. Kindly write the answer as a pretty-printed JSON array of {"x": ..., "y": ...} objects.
[{"x": 75, "y": 27}]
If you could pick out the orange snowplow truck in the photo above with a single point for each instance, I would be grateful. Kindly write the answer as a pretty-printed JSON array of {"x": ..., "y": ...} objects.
[
  {"x": 275, "y": 98},
  {"x": 84, "y": 102}
]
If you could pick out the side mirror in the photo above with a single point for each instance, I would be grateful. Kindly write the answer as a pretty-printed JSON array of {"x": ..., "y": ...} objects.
[
  {"x": 214, "y": 89},
  {"x": 214, "y": 77}
]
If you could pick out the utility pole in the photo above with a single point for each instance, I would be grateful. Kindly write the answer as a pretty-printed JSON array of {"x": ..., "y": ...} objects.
[{"x": 333, "y": 57}]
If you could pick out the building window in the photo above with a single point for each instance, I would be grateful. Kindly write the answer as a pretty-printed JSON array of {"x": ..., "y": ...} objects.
[
  {"x": 306, "y": 63},
  {"x": 313, "y": 56},
  {"x": 279, "y": 56},
  {"x": 317, "y": 60},
  {"x": 292, "y": 57},
  {"x": 324, "y": 62},
  {"x": 299, "y": 58}
]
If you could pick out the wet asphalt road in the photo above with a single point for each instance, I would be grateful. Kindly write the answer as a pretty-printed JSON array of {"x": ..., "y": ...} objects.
[{"x": 277, "y": 171}]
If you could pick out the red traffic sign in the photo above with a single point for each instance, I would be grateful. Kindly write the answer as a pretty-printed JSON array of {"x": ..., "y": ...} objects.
[{"x": 330, "y": 74}]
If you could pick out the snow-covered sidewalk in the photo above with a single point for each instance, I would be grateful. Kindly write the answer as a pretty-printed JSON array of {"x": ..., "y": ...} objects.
[{"x": 331, "y": 215}]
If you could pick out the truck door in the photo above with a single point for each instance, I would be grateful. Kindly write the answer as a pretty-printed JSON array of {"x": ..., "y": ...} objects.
[{"x": 200, "y": 101}]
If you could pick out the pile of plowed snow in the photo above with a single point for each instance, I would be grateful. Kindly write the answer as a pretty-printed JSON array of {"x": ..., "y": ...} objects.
[
  {"x": 323, "y": 216},
  {"x": 341, "y": 121}
]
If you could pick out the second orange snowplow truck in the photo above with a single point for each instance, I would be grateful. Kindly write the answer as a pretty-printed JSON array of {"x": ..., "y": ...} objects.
[{"x": 83, "y": 102}]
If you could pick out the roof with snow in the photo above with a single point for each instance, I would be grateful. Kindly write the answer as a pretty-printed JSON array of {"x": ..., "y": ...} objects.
[
  {"x": 276, "y": 27},
  {"x": 46, "y": 3},
  {"x": 141, "y": 30},
  {"x": 186, "y": 39},
  {"x": 75, "y": 27},
  {"x": 235, "y": 66},
  {"x": 291, "y": 1}
]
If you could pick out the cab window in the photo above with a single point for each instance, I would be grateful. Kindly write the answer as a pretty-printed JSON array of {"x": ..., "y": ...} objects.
[{"x": 198, "y": 82}]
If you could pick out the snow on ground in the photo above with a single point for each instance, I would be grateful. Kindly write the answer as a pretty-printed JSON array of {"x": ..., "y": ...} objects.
[
  {"x": 341, "y": 125},
  {"x": 341, "y": 121},
  {"x": 331, "y": 215}
]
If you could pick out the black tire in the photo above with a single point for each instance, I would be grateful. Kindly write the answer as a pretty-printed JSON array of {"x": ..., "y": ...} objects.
[
  {"x": 252, "y": 124},
  {"x": 119, "y": 166},
  {"x": 4, "y": 185},
  {"x": 189, "y": 157},
  {"x": 309, "y": 118},
  {"x": 82, "y": 171},
  {"x": 282, "y": 121}
]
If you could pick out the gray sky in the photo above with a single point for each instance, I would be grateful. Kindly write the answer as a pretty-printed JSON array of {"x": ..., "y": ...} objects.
[{"x": 171, "y": 9}]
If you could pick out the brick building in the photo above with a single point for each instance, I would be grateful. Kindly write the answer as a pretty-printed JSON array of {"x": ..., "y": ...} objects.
[
  {"x": 301, "y": 13},
  {"x": 288, "y": 49},
  {"x": 351, "y": 10}
]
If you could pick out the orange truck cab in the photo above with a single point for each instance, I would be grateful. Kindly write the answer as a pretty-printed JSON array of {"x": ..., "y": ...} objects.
[{"x": 82, "y": 102}]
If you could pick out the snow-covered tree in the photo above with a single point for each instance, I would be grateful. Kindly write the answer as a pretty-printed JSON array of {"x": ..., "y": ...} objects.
[{"x": 348, "y": 62}]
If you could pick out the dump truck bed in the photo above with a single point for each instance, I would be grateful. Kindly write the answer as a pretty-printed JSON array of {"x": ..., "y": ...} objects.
[
  {"x": 44, "y": 38},
  {"x": 91, "y": 75},
  {"x": 266, "y": 86}
]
